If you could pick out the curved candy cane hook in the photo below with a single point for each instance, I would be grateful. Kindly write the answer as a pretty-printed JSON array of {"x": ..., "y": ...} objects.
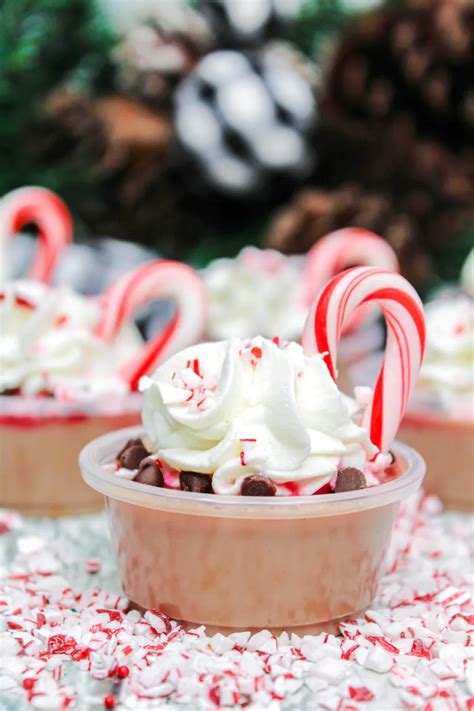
[
  {"x": 403, "y": 312},
  {"x": 336, "y": 251},
  {"x": 52, "y": 218},
  {"x": 160, "y": 279}
]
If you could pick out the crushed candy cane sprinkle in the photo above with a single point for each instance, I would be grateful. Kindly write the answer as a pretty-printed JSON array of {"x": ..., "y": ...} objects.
[{"x": 414, "y": 649}]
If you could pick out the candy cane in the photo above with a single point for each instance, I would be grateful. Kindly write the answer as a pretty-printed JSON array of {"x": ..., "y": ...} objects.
[
  {"x": 155, "y": 280},
  {"x": 50, "y": 215},
  {"x": 349, "y": 247},
  {"x": 403, "y": 312}
]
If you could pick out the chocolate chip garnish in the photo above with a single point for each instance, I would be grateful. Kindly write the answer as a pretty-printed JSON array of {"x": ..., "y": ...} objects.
[
  {"x": 349, "y": 479},
  {"x": 198, "y": 483},
  {"x": 131, "y": 457},
  {"x": 131, "y": 443},
  {"x": 149, "y": 473},
  {"x": 258, "y": 485}
]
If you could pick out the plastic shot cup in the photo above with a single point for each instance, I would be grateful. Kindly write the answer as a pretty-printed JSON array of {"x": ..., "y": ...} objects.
[
  {"x": 40, "y": 441},
  {"x": 447, "y": 445},
  {"x": 301, "y": 563}
]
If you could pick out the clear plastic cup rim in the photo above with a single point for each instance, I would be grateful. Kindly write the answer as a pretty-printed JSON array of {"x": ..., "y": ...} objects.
[{"x": 103, "y": 450}]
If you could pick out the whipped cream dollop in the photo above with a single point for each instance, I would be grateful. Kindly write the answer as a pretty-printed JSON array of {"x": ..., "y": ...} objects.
[
  {"x": 447, "y": 372},
  {"x": 259, "y": 292},
  {"x": 241, "y": 407},
  {"x": 48, "y": 345}
]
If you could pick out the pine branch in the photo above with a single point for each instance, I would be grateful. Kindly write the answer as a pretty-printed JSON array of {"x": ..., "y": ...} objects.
[{"x": 44, "y": 44}]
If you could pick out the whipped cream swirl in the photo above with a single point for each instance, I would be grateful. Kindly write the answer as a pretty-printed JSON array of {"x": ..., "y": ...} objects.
[
  {"x": 48, "y": 344},
  {"x": 240, "y": 407},
  {"x": 260, "y": 292},
  {"x": 447, "y": 373}
]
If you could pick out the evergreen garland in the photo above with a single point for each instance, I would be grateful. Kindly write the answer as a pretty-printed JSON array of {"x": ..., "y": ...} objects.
[{"x": 44, "y": 44}]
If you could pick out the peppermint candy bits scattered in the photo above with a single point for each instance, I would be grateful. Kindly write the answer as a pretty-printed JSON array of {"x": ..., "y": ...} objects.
[{"x": 63, "y": 647}]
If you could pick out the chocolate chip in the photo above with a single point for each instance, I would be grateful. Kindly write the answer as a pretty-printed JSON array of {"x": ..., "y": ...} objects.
[
  {"x": 349, "y": 479},
  {"x": 131, "y": 457},
  {"x": 131, "y": 443},
  {"x": 198, "y": 483},
  {"x": 258, "y": 485},
  {"x": 149, "y": 473}
]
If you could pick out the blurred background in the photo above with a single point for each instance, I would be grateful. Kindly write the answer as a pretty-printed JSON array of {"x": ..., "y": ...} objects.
[{"x": 195, "y": 127}]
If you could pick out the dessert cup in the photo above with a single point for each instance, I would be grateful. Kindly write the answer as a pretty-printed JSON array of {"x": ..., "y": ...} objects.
[
  {"x": 231, "y": 562},
  {"x": 447, "y": 445},
  {"x": 40, "y": 441},
  {"x": 445, "y": 442}
]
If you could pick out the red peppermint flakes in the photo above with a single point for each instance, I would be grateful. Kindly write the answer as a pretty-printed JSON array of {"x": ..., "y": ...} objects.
[
  {"x": 326, "y": 489},
  {"x": 419, "y": 650},
  {"x": 93, "y": 566},
  {"x": 383, "y": 643},
  {"x": 60, "y": 644},
  {"x": 215, "y": 696},
  {"x": 360, "y": 693},
  {"x": 416, "y": 638},
  {"x": 80, "y": 654},
  {"x": 114, "y": 615}
]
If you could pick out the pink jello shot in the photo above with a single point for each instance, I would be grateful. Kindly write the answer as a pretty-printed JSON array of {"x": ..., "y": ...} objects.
[
  {"x": 40, "y": 439},
  {"x": 439, "y": 420},
  {"x": 447, "y": 445},
  {"x": 69, "y": 365},
  {"x": 240, "y": 562},
  {"x": 257, "y": 495}
]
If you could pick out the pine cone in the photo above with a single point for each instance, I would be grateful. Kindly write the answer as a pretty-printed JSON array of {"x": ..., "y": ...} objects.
[
  {"x": 116, "y": 134},
  {"x": 154, "y": 56},
  {"x": 411, "y": 63},
  {"x": 123, "y": 146},
  {"x": 313, "y": 213}
]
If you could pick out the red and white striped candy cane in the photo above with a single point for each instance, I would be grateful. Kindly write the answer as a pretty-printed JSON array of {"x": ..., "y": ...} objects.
[
  {"x": 348, "y": 247},
  {"x": 50, "y": 215},
  {"x": 403, "y": 312},
  {"x": 160, "y": 279}
]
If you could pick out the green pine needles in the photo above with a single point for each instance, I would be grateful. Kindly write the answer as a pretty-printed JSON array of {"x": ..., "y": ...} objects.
[{"x": 44, "y": 45}]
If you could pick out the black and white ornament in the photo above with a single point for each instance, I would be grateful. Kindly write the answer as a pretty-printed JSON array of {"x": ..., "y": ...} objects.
[
  {"x": 245, "y": 23},
  {"x": 246, "y": 120}
]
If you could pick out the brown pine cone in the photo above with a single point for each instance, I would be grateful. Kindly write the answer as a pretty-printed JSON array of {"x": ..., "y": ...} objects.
[
  {"x": 313, "y": 213},
  {"x": 410, "y": 62},
  {"x": 114, "y": 130},
  {"x": 413, "y": 191},
  {"x": 123, "y": 146}
]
